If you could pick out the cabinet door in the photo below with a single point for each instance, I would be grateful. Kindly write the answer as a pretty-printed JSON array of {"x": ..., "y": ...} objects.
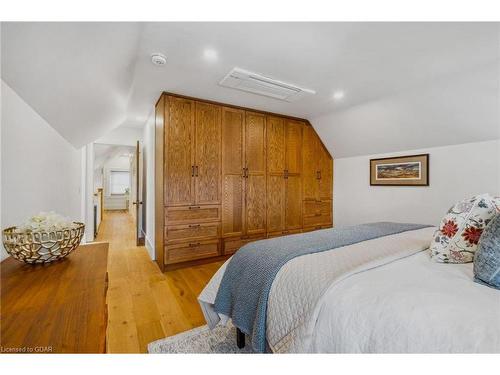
[
  {"x": 255, "y": 207},
  {"x": 233, "y": 159},
  {"x": 326, "y": 176},
  {"x": 275, "y": 202},
  {"x": 255, "y": 184},
  {"x": 275, "y": 129},
  {"x": 255, "y": 143},
  {"x": 179, "y": 152},
  {"x": 310, "y": 165},
  {"x": 208, "y": 153},
  {"x": 293, "y": 202},
  {"x": 293, "y": 144}
]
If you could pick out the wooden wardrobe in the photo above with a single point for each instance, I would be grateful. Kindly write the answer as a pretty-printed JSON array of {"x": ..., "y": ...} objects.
[{"x": 226, "y": 176}]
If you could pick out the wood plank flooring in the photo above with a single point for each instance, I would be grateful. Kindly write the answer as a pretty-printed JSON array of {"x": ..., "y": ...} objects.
[{"x": 143, "y": 304}]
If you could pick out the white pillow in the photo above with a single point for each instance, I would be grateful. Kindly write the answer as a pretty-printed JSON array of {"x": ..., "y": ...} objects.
[{"x": 458, "y": 235}]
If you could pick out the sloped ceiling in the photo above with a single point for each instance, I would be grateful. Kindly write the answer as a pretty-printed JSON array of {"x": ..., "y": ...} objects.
[
  {"x": 103, "y": 153},
  {"x": 88, "y": 78}
]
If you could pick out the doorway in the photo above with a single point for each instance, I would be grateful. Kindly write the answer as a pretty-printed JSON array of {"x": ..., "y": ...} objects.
[{"x": 117, "y": 187}]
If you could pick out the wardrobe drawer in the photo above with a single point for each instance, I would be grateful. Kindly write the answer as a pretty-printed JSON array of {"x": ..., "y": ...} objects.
[
  {"x": 317, "y": 208},
  {"x": 191, "y": 214},
  {"x": 232, "y": 245},
  {"x": 188, "y": 232},
  {"x": 283, "y": 233},
  {"x": 317, "y": 227},
  {"x": 184, "y": 252},
  {"x": 312, "y": 221}
]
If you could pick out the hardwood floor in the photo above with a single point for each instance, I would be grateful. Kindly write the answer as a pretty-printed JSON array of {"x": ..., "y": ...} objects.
[{"x": 143, "y": 304}]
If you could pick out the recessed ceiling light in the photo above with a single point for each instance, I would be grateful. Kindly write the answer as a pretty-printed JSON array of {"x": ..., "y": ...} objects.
[
  {"x": 210, "y": 54},
  {"x": 158, "y": 59},
  {"x": 338, "y": 95}
]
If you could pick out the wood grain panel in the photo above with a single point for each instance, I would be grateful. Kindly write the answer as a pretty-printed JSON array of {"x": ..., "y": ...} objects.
[
  {"x": 275, "y": 203},
  {"x": 192, "y": 214},
  {"x": 255, "y": 143},
  {"x": 255, "y": 182},
  {"x": 232, "y": 205},
  {"x": 179, "y": 143},
  {"x": 310, "y": 166},
  {"x": 56, "y": 308},
  {"x": 233, "y": 244},
  {"x": 208, "y": 153},
  {"x": 315, "y": 208},
  {"x": 283, "y": 233},
  {"x": 326, "y": 174},
  {"x": 317, "y": 220},
  {"x": 233, "y": 159},
  {"x": 275, "y": 129},
  {"x": 293, "y": 202},
  {"x": 191, "y": 232},
  {"x": 232, "y": 141},
  {"x": 255, "y": 207},
  {"x": 192, "y": 250},
  {"x": 311, "y": 229},
  {"x": 293, "y": 141}
]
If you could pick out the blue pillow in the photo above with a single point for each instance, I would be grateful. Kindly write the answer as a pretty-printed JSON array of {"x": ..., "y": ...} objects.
[{"x": 487, "y": 257}]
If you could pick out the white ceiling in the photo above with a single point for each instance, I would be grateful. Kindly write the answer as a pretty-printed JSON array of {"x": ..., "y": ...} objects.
[
  {"x": 88, "y": 78},
  {"x": 104, "y": 153}
]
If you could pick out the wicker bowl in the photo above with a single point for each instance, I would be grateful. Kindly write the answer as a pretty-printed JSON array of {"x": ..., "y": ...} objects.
[{"x": 42, "y": 247}]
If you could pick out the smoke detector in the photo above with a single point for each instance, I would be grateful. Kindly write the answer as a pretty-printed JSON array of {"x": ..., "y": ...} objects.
[{"x": 158, "y": 59}]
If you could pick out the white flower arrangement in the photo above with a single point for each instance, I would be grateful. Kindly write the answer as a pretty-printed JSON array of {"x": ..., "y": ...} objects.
[{"x": 46, "y": 222}]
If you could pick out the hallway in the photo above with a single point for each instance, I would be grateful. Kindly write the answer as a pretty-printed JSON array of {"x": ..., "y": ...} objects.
[{"x": 143, "y": 304}]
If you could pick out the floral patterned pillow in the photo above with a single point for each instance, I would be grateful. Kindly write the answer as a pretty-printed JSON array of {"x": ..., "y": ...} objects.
[{"x": 458, "y": 235}]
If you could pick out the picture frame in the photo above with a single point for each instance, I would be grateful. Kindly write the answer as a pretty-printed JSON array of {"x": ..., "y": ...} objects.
[{"x": 408, "y": 170}]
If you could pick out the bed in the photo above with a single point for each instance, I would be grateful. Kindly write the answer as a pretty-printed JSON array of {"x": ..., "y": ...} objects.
[{"x": 397, "y": 302}]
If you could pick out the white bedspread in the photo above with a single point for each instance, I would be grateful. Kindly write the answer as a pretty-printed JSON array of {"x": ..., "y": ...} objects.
[{"x": 385, "y": 305}]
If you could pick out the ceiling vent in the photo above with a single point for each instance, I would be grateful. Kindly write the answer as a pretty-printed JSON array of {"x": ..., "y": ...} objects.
[{"x": 258, "y": 84}]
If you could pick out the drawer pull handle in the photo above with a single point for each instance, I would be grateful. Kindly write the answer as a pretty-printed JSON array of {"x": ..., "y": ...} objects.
[
  {"x": 194, "y": 207},
  {"x": 194, "y": 244},
  {"x": 194, "y": 225}
]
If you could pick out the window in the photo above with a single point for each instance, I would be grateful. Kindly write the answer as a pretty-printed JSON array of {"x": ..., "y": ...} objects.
[{"x": 119, "y": 181}]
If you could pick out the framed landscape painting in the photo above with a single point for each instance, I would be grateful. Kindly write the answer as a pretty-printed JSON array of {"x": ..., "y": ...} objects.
[{"x": 412, "y": 170}]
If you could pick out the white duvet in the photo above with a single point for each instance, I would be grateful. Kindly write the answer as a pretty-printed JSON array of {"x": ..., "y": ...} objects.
[{"x": 398, "y": 300}]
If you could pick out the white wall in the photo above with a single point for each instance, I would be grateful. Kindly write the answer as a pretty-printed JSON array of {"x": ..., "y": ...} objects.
[
  {"x": 456, "y": 172},
  {"x": 40, "y": 170},
  {"x": 149, "y": 143},
  {"x": 122, "y": 136}
]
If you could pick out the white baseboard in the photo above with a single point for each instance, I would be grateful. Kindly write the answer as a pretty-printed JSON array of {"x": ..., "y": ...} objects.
[{"x": 150, "y": 247}]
